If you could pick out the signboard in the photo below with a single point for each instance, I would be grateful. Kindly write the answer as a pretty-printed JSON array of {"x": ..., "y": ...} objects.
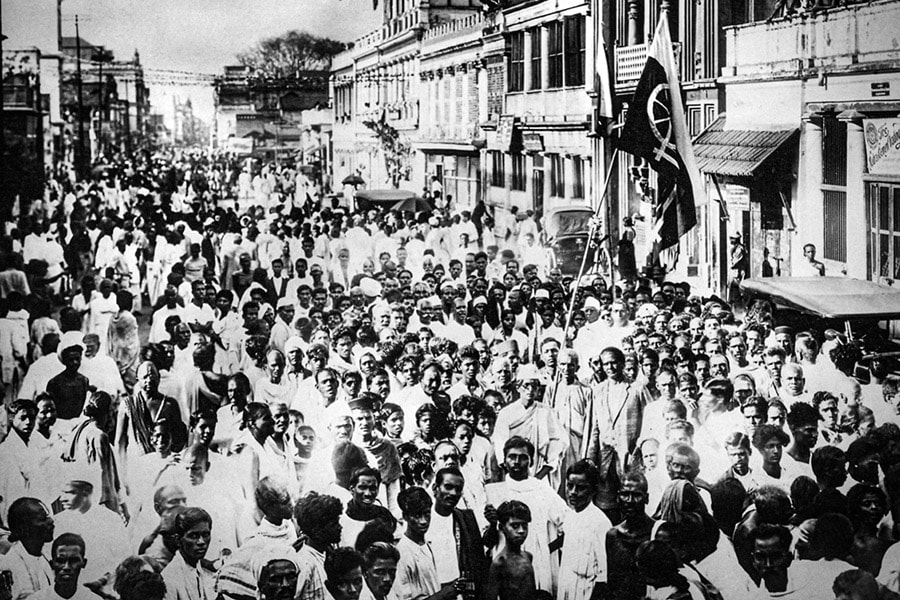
[
  {"x": 736, "y": 196},
  {"x": 532, "y": 142},
  {"x": 505, "y": 132},
  {"x": 882, "y": 145},
  {"x": 880, "y": 89},
  {"x": 240, "y": 145}
]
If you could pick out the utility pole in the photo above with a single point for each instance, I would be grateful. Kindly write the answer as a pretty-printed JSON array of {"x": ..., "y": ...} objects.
[
  {"x": 59, "y": 25},
  {"x": 79, "y": 168},
  {"x": 127, "y": 119},
  {"x": 101, "y": 56}
]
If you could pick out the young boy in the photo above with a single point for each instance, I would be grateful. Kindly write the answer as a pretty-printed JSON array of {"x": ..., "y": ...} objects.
[
  {"x": 393, "y": 422},
  {"x": 344, "y": 573},
  {"x": 425, "y": 415},
  {"x": 512, "y": 573},
  {"x": 305, "y": 442}
]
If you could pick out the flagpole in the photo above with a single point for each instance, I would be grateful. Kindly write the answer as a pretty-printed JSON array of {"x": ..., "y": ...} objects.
[{"x": 592, "y": 231}]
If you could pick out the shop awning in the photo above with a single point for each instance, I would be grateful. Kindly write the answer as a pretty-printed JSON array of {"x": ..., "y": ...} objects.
[
  {"x": 737, "y": 152},
  {"x": 384, "y": 196}
]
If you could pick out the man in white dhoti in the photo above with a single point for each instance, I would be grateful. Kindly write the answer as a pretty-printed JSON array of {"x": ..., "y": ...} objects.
[
  {"x": 548, "y": 511},
  {"x": 532, "y": 420}
]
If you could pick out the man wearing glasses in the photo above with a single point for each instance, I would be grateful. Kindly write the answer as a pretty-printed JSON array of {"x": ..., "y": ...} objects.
[{"x": 533, "y": 420}]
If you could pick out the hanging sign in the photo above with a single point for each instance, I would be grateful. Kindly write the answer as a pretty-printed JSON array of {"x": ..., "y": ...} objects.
[{"x": 882, "y": 145}]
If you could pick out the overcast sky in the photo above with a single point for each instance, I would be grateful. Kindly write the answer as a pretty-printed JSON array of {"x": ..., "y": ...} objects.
[{"x": 189, "y": 35}]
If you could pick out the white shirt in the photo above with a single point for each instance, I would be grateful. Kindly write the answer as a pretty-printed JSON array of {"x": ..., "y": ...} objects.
[
  {"x": 416, "y": 571},
  {"x": 29, "y": 573},
  {"x": 443, "y": 544}
]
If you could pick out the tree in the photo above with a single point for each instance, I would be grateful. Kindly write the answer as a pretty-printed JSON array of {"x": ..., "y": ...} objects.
[
  {"x": 397, "y": 152},
  {"x": 284, "y": 56}
]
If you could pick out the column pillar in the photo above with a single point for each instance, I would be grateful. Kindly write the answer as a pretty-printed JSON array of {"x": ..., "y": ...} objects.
[
  {"x": 545, "y": 53},
  {"x": 635, "y": 30},
  {"x": 528, "y": 53},
  {"x": 857, "y": 260},
  {"x": 809, "y": 211}
]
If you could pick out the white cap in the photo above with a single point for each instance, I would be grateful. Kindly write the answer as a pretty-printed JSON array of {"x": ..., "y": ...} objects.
[
  {"x": 591, "y": 302},
  {"x": 528, "y": 372},
  {"x": 370, "y": 287},
  {"x": 70, "y": 339}
]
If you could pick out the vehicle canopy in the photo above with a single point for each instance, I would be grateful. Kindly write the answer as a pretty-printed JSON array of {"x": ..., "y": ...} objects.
[
  {"x": 829, "y": 297},
  {"x": 865, "y": 310},
  {"x": 568, "y": 221}
]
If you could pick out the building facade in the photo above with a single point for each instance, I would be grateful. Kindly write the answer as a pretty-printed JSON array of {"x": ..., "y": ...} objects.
[
  {"x": 833, "y": 77},
  {"x": 406, "y": 101},
  {"x": 539, "y": 156}
]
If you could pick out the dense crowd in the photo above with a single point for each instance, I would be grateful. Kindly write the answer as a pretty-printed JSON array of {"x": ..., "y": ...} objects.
[{"x": 221, "y": 383}]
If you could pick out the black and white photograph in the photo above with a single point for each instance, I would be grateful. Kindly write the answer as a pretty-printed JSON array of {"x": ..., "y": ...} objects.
[{"x": 450, "y": 300}]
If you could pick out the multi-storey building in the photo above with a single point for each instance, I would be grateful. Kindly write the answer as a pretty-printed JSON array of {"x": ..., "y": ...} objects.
[
  {"x": 265, "y": 113},
  {"x": 405, "y": 100},
  {"x": 697, "y": 30},
  {"x": 834, "y": 76},
  {"x": 539, "y": 155}
]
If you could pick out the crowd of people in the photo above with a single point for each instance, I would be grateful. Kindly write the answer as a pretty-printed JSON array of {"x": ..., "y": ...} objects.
[{"x": 219, "y": 385}]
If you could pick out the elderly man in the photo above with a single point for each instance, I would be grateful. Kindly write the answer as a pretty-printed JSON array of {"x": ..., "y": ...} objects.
[
  {"x": 573, "y": 405},
  {"x": 533, "y": 420},
  {"x": 793, "y": 383}
]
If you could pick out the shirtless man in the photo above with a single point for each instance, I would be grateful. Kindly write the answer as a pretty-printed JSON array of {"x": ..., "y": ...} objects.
[{"x": 512, "y": 572}]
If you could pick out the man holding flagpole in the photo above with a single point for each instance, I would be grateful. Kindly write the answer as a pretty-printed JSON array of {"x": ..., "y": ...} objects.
[{"x": 656, "y": 130}]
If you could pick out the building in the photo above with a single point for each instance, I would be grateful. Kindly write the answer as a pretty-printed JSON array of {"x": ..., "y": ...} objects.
[
  {"x": 831, "y": 83},
  {"x": 112, "y": 102},
  {"x": 698, "y": 34},
  {"x": 33, "y": 126},
  {"x": 539, "y": 155},
  {"x": 263, "y": 115},
  {"x": 27, "y": 147},
  {"x": 188, "y": 129},
  {"x": 397, "y": 123}
]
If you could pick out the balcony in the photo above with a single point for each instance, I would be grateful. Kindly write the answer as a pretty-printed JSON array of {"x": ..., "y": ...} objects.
[
  {"x": 629, "y": 64},
  {"x": 857, "y": 37},
  {"x": 401, "y": 24},
  {"x": 19, "y": 97}
]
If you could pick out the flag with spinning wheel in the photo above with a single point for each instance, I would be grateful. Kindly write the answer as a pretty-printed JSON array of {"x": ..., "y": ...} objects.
[{"x": 656, "y": 130}]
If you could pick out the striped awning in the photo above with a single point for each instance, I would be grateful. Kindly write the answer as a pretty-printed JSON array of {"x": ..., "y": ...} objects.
[{"x": 738, "y": 152}]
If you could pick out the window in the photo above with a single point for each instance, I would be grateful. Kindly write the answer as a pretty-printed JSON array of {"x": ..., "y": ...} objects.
[
  {"x": 574, "y": 45},
  {"x": 834, "y": 188},
  {"x": 577, "y": 177},
  {"x": 555, "y": 54},
  {"x": 498, "y": 176},
  {"x": 835, "y": 204},
  {"x": 518, "y": 172},
  {"x": 883, "y": 201},
  {"x": 557, "y": 176},
  {"x": 516, "y": 61},
  {"x": 535, "y": 83}
]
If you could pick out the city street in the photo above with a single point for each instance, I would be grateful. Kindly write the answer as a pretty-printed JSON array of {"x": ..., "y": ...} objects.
[{"x": 477, "y": 299}]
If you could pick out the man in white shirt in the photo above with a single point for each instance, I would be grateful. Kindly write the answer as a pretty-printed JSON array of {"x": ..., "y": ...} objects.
[
  {"x": 31, "y": 526},
  {"x": 67, "y": 558},
  {"x": 583, "y": 563}
]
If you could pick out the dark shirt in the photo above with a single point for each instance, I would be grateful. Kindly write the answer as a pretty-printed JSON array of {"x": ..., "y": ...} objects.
[{"x": 69, "y": 393}]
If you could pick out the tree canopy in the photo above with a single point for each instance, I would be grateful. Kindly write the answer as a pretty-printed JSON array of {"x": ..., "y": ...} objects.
[{"x": 285, "y": 55}]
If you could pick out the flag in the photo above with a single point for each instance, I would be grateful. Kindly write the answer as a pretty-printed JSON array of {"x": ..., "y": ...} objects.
[
  {"x": 656, "y": 130},
  {"x": 604, "y": 95}
]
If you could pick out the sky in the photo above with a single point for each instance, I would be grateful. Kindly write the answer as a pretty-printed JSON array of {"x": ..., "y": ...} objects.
[{"x": 197, "y": 36}]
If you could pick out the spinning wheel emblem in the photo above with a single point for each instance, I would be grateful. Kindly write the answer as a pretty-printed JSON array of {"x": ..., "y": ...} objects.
[{"x": 660, "y": 118}]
